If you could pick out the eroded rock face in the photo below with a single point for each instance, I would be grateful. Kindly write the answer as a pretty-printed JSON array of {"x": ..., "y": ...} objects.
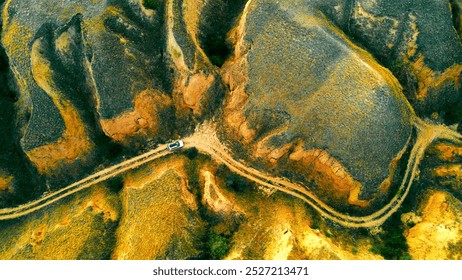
[
  {"x": 89, "y": 75},
  {"x": 196, "y": 86},
  {"x": 119, "y": 54},
  {"x": 301, "y": 94},
  {"x": 109, "y": 65}
]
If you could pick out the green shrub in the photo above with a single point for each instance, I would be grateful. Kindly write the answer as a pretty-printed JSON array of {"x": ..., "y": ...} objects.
[
  {"x": 151, "y": 4},
  {"x": 191, "y": 153},
  {"x": 391, "y": 243},
  {"x": 218, "y": 246},
  {"x": 237, "y": 183}
]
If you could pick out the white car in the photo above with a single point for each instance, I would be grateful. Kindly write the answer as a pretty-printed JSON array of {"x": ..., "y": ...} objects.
[{"x": 175, "y": 145}]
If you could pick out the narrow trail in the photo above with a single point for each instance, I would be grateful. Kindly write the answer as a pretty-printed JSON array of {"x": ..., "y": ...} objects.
[
  {"x": 206, "y": 141},
  {"x": 11, "y": 213}
]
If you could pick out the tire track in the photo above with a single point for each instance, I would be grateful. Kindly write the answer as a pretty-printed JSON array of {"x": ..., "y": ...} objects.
[
  {"x": 22, "y": 210},
  {"x": 205, "y": 140}
]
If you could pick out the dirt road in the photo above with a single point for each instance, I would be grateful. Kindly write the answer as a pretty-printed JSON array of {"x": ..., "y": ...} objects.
[{"x": 206, "y": 141}]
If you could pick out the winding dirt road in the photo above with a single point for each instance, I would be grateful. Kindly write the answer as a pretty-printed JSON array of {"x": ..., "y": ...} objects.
[
  {"x": 206, "y": 141},
  {"x": 108, "y": 173}
]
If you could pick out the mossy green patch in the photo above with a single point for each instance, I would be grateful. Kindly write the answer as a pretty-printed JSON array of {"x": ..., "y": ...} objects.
[
  {"x": 218, "y": 246},
  {"x": 151, "y": 4}
]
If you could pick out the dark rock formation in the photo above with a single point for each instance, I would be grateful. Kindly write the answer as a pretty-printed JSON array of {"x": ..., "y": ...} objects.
[{"x": 19, "y": 181}]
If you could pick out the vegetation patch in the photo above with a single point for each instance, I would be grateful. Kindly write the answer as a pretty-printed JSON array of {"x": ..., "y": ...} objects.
[
  {"x": 191, "y": 153},
  {"x": 151, "y": 4},
  {"x": 391, "y": 243},
  {"x": 218, "y": 246}
]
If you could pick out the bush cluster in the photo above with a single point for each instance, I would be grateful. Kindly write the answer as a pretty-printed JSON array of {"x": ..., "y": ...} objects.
[
  {"x": 218, "y": 246},
  {"x": 151, "y": 4}
]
